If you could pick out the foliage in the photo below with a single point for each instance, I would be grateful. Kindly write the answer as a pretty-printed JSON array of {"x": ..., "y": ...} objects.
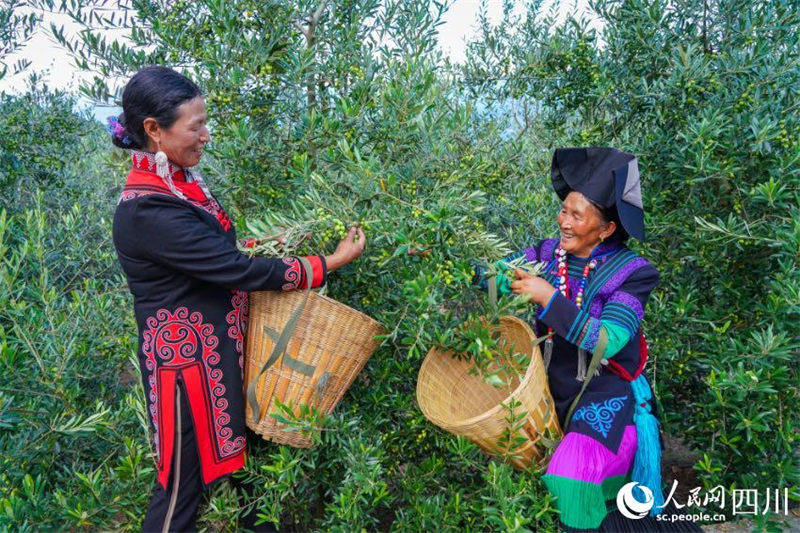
[
  {"x": 73, "y": 449},
  {"x": 326, "y": 114},
  {"x": 380, "y": 138},
  {"x": 40, "y": 136},
  {"x": 16, "y": 28},
  {"x": 705, "y": 93}
]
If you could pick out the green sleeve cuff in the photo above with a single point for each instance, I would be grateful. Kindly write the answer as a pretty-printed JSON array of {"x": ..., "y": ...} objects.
[
  {"x": 503, "y": 283},
  {"x": 618, "y": 337}
]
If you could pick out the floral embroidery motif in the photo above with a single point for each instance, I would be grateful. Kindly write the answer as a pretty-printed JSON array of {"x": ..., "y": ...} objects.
[
  {"x": 237, "y": 319},
  {"x": 180, "y": 338},
  {"x": 600, "y": 416}
]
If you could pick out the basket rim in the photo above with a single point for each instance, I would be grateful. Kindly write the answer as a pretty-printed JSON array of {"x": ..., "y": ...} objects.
[
  {"x": 334, "y": 302},
  {"x": 494, "y": 410}
]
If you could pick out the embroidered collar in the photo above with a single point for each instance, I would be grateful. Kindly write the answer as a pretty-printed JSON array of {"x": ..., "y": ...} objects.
[
  {"x": 604, "y": 248},
  {"x": 601, "y": 252},
  {"x": 146, "y": 161},
  {"x": 142, "y": 180}
]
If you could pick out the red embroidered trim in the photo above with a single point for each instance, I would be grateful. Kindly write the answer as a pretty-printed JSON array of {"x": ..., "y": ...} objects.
[
  {"x": 147, "y": 162},
  {"x": 178, "y": 339},
  {"x": 293, "y": 275},
  {"x": 142, "y": 182},
  {"x": 164, "y": 380},
  {"x": 222, "y": 217},
  {"x": 237, "y": 318},
  {"x": 227, "y": 445},
  {"x": 212, "y": 466},
  {"x": 318, "y": 272}
]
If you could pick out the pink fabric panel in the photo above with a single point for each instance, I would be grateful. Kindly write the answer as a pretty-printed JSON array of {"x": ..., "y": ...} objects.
[{"x": 583, "y": 458}]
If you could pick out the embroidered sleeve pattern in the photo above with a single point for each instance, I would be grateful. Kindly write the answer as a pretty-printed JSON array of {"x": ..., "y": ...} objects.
[
  {"x": 296, "y": 276},
  {"x": 620, "y": 318}
]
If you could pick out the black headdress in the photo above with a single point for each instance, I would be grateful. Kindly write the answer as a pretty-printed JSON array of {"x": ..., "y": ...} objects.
[{"x": 606, "y": 176}]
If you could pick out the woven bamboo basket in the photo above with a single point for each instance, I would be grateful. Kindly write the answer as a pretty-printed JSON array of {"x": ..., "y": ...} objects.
[
  {"x": 464, "y": 404},
  {"x": 330, "y": 345}
]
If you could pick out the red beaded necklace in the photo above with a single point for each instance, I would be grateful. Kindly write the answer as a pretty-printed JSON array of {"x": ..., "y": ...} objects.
[{"x": 563, "y": 288}]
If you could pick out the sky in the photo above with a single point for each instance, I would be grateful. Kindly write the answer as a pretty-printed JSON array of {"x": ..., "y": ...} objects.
[{"x": 59, "y": 71}]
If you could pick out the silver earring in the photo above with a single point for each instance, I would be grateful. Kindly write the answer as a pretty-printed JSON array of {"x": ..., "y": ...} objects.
[{"x": 162, "y": 165}]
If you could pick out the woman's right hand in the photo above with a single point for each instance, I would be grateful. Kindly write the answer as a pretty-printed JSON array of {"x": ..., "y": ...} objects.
[
  {"x": 348, "y": 249},
  {"x": 539, "y": 289}
]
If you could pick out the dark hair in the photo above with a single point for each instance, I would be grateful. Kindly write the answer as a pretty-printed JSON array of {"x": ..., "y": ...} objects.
[
  {"x": 155, "y": 92},
  {"x": 610, "y": 214}
]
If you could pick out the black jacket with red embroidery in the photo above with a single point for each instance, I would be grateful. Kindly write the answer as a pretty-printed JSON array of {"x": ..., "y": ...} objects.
[{"x": 189, "y": 283}]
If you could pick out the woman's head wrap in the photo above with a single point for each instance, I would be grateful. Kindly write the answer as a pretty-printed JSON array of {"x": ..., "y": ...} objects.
[{"x": 607, "y": 177}]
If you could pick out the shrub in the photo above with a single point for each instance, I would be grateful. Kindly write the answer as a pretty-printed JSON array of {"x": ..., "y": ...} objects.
[
  {"x": 348, "y": 114},
  {"x": 701, "y": 93}
]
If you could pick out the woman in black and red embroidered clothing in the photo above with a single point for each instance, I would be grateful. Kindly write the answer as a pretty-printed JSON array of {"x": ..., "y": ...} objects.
[{"x": 189, "y": 282}]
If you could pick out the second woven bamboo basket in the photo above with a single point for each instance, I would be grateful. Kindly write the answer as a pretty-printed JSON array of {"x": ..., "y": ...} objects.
[
  {"x": 330, "y": 345},
  {"x": 461, "y": 402}
]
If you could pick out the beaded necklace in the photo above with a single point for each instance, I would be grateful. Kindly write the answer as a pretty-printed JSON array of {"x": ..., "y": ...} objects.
[{"x": 563, "y": 288}]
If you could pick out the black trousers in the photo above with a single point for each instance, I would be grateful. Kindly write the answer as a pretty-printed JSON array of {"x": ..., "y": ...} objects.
[{"x": 175, "y": 508}]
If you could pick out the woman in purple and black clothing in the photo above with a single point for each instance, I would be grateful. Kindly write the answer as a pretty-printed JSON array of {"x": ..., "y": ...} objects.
[
  {"x": 177, "y": 247},
  {"x": 591, "y": 300}
]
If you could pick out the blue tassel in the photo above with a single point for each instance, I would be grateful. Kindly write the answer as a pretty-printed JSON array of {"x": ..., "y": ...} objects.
[{"x": 647, "y": 462}]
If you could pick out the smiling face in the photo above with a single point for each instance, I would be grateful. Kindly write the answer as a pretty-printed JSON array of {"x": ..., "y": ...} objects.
[
  {"x": 184, "y": 140},
  {"x": 582, "y": 225}
]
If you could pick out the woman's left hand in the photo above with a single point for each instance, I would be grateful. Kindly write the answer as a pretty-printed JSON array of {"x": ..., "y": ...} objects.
[
  {"x": 348, "y": 250},
  {"x": 539, "y": 290}
]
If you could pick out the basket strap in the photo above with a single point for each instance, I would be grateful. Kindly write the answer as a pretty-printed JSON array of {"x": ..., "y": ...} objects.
[
  {"x": 492, "y": 281},
  {"x": 594, "y": 364},
  {"x": 281, "y": 343}
]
